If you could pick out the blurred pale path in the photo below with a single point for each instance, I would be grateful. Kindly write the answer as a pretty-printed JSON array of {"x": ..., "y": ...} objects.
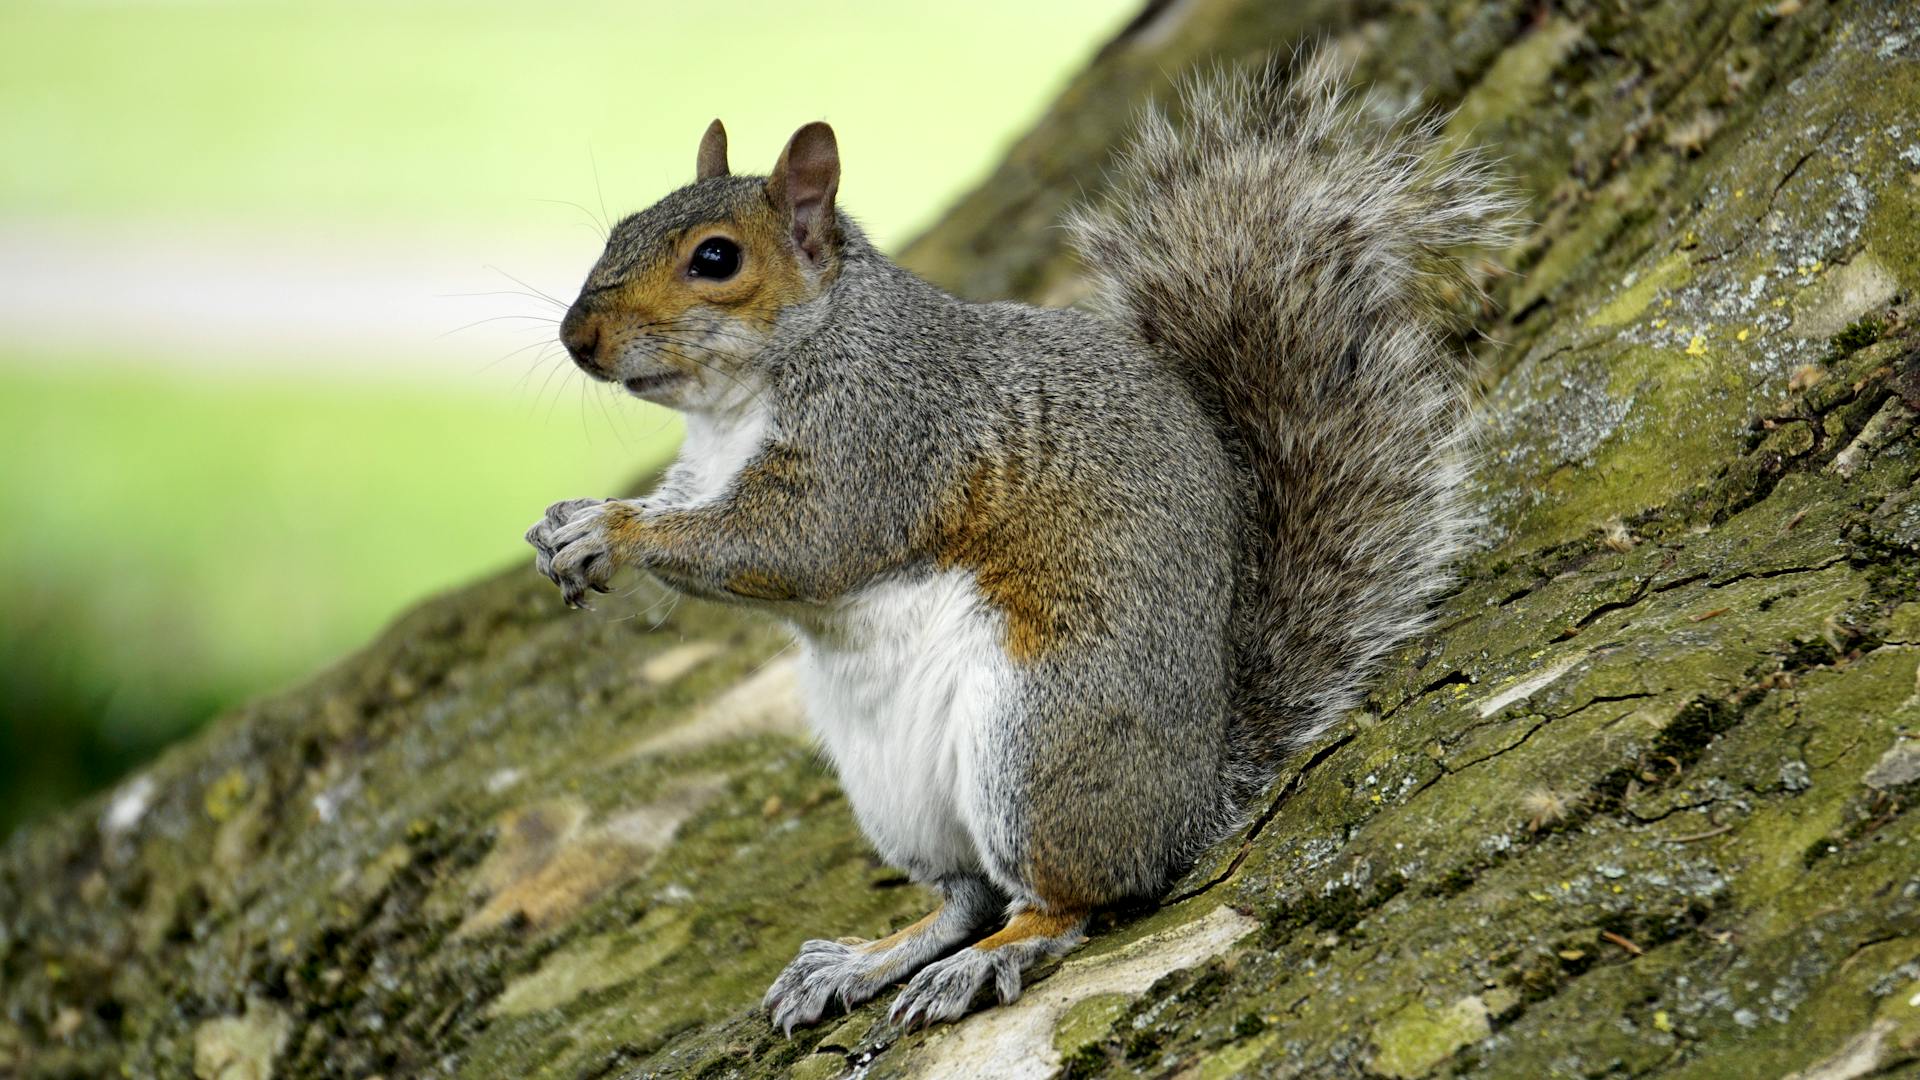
[
  {"x": 218, "y": 177},
  {"x": 372, "y": 304},
  {"x": 274, "y": 358}
]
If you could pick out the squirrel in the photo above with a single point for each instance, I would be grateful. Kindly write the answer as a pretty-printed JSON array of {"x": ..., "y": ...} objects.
[{"x": 1067, "y": 585}]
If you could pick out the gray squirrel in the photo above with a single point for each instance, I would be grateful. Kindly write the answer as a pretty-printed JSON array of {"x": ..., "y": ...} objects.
[{"x": 1067, "y": 586}]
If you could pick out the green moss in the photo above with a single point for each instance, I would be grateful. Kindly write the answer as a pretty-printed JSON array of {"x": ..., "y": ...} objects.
[
  {"x": 1455, "y": 881},
  {"x": 1855, "y": 337},
  {"x": 1087, "y": 1023},
  {"x": 1413, "y": 1041},
  {"x": 1337, "y": 910},
  {"x": 1087, "y": 1061},
  {"x": 595, "y": 964},
  {"x": 819, "y": 1067},
  {"x": 1634, "y": 299},
  {"x": 226, "y": 795},
  {"x": 1519, "y": 77},
  {"x": 1142, "y": 1044}
]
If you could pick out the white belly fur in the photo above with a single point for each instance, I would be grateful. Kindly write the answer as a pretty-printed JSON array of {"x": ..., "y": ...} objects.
[
  {"x": 718, "y": 445},
  {"x": 900, "y": 683}
]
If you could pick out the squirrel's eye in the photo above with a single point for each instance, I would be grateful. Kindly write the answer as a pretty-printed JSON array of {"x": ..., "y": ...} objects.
[{"x": 717, "y": 258}]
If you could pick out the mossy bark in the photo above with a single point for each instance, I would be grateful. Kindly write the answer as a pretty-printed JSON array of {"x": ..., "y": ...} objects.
[{"x": 1641, "y": 804}]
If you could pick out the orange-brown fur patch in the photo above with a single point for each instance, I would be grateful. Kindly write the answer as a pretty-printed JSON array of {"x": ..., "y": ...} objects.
[
  {"x": 1031, "y": 924},
  {"x": 913, "y": 929},
  {"x": 767, "y": 497},
  {"x": 769, "y": 280},
  {"x": 1012, "y": 535},
  {"x": 779, "y": 468},
  {"x": 625, "y": 529},
  {"x": 660, "y": 301},
  {"x": 760, "y": 585}
]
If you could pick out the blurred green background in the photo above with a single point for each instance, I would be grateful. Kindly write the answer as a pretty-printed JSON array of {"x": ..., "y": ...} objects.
[{"x": 274, "y": 360}]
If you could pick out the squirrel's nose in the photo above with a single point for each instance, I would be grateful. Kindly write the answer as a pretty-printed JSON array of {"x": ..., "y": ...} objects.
[{"x": 580, "y": 333}]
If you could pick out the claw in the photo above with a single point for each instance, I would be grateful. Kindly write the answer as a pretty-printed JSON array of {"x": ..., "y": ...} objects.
[{"x": 824, "y": 977}]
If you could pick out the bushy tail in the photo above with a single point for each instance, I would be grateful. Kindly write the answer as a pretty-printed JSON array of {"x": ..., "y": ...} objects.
[{"x": 1287, "y": 251}]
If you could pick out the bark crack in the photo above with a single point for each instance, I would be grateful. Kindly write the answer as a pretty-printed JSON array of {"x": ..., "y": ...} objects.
[
  {"x": 1260, "y": 823},
  {"x": 1784, "y": 571}
]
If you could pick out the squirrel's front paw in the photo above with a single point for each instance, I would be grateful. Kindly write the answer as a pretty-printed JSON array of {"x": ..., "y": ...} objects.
[
  {"x": 829, "y": 975},
  {"x": 573, "y": 547}
]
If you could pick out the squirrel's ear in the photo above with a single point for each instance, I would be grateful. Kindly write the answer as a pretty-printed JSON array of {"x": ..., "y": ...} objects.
[
  {"x": 713, "y": 152},
  {"x": 803, "y": 184}
]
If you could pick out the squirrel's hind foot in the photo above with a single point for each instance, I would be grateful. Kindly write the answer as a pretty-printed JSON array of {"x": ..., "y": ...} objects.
[
  {"x": 826, "y": 974},
  {"x": 947, "y": 989},
  {"x": 850, "y": 971}
]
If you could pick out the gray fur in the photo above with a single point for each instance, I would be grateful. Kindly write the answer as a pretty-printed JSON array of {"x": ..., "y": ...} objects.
[
  {"x": 1287, "y": 248},
  {"x": 842, "y": 974},
  {"x": 1245, "y": 476},
  {"x": 947, "y": 989}
]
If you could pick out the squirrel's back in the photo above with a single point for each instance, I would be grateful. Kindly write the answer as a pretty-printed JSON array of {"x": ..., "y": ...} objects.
[{"x": 1284, "y": 251}]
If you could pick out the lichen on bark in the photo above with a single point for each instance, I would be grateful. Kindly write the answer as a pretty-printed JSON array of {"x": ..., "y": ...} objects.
[{"x": 1640, "y": 804}]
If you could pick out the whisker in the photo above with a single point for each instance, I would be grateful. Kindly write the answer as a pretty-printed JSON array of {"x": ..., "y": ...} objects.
[
  {"x": 768, "y": 662},
  {"x": 673, "y": 605},
  {"x": 543, "y": 319},
  {"x": 596, "y": 224},
  {"x": 688, "y": 350},
  {"x": 543, "y": 357},
  {"x": 503, "y": 357},
  {"x": 500, "y": 292},
  {"x": 737, "y": 380},
  {"x": 544, "y": 384},
  {"x": 723, "y": 335},
  {"x": 669, "y": 598},
  {"x": 667, "y": 327},
  {"x": 606, "y": 225},
  {"x": 668, "y": 603},
  {"x": 664, "y": 417},
  {"x": 711, "y": 329},
  {"x": 689, "y": 337},
  {"x": 524, "y": 285},
  {"x": 612, "y": 424}
]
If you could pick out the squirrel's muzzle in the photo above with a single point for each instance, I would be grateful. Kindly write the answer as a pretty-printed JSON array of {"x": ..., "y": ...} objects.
[{"x": 580, "y": 333}]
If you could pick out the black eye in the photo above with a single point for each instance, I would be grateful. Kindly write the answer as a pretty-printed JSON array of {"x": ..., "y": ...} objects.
[{"x": 717, "y": 259}]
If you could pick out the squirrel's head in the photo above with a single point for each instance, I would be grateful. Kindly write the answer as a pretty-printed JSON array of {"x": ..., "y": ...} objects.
[{"x": 691, "y": 289}]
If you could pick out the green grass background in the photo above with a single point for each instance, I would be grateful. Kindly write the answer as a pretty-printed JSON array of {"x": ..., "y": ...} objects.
[
  {"x": 182, "y": 535},
  {"x": 186, "y": 539},
  {"x": 413, "y": 110}
]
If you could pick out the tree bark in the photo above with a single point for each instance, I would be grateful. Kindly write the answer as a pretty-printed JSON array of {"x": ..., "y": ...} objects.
[{"x": 1641, "y": 804}]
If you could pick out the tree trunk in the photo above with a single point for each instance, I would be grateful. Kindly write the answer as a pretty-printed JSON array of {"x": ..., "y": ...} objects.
[{"x": 1642, "y": 804}]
